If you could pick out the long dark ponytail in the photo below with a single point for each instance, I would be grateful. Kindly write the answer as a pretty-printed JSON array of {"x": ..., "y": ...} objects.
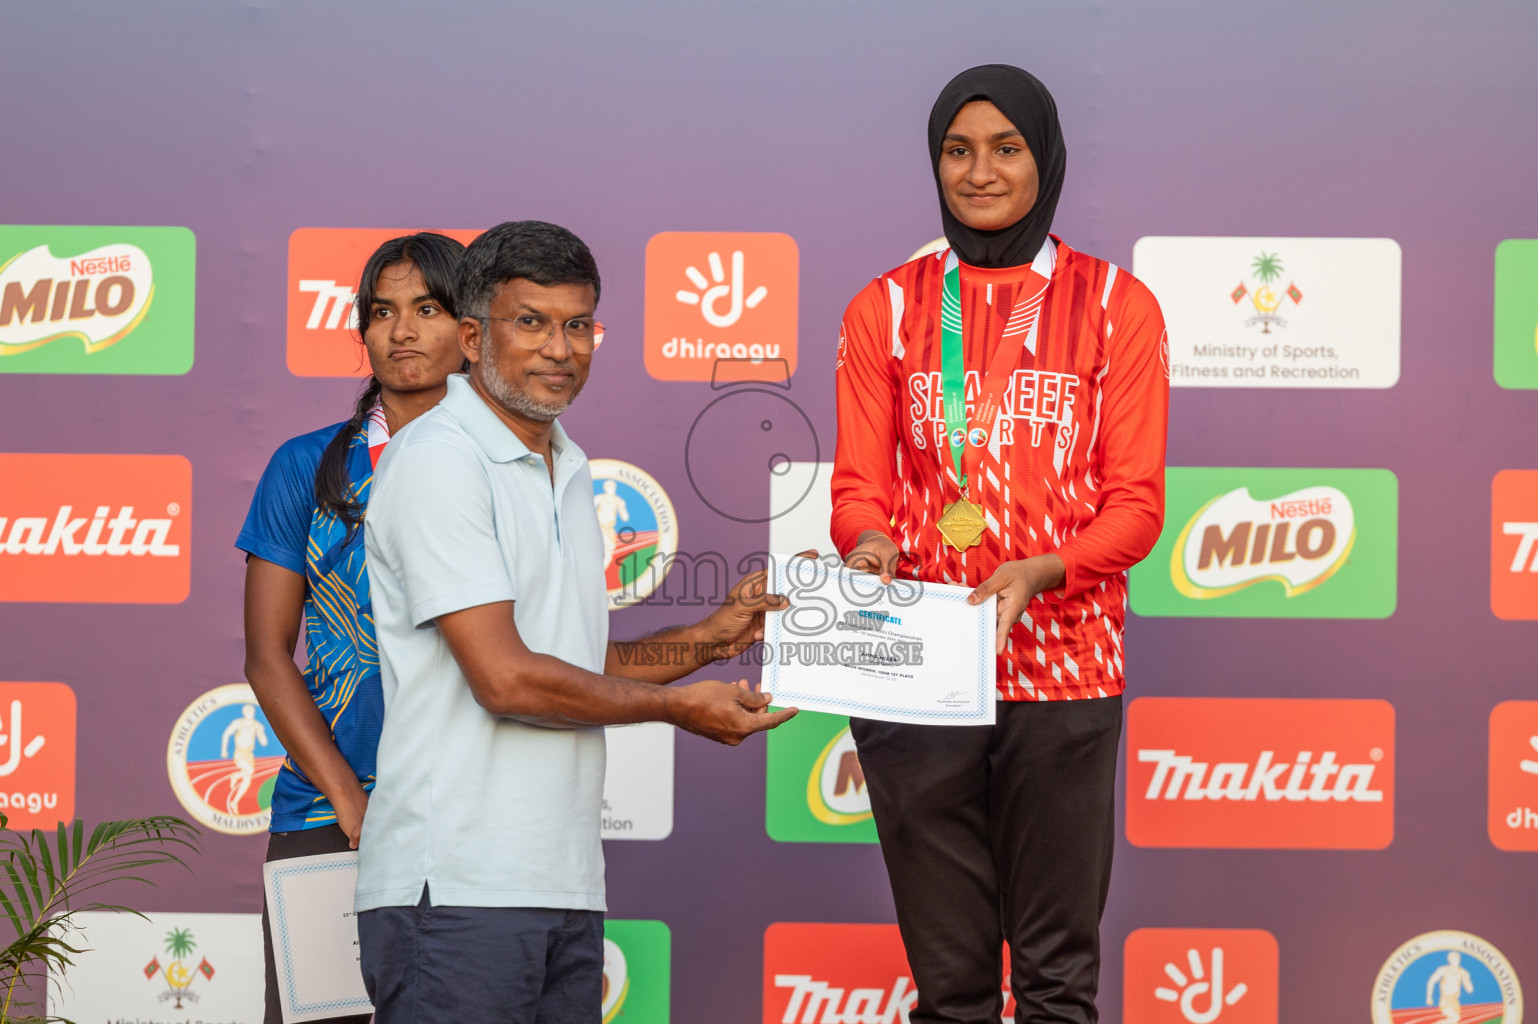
[{"x": 437, "y": 258}]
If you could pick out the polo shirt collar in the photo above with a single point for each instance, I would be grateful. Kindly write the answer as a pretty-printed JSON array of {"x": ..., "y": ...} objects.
[{"x": 489, "y": 432}]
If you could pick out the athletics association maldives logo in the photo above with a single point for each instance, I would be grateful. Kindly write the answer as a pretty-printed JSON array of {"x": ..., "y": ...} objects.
[
  {"x": 1447, "y": 977},
  {"x": 70, "y": 295},
  {"x": 639, "y": 529},
  {"x": 719, "y": 295},
  {"x": 1262, "y": 293},
  {"x": 177, "y": 970},
  {"x": 1254, "y": 773},
  {"x": 223, "y": 760},
  {"x": 1298, "y": 540}
]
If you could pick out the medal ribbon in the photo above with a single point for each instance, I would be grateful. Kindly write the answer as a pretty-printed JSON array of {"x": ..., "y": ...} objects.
[{"x": 966, "y": 442}]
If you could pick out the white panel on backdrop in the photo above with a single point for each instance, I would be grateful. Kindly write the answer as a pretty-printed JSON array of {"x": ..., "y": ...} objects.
[
  {"x": 1276, "y": 312},
  {"x": 638, "y": 785},
  {"x": 805, "y": 527},
  {"x": 169, "y": 969}
]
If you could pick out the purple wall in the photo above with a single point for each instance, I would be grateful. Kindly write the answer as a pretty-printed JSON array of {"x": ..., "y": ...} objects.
[{"x": 246, "y": 121}]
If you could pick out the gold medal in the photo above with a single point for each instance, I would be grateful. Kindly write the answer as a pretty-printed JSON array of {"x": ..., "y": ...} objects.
[{"x": 962, "y": 524}]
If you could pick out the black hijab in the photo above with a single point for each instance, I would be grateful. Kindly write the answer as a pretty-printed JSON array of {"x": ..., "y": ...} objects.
[{"x": 1029, "y": 106}]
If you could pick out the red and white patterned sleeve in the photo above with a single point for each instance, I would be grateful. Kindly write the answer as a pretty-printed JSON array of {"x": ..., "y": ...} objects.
[
  {"x": 1129, "y": 454},
  {"x": 865, "y": 459}
]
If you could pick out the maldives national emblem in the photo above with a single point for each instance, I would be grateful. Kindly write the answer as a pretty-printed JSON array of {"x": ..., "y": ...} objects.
[
  {"x": 1267, "y": 269},
  {"x": 639, "y": 530},
  {"x": 177, "y": 971}
]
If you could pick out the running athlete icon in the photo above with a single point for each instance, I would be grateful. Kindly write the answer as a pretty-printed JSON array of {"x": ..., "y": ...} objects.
[
  {"x": 1453, "y": 979},
  {"x": 611, "y": 510},
  {"x": 248, "y": 733}
]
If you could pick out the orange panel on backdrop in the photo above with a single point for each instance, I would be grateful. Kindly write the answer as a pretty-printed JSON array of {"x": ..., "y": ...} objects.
[
  {"x": 95, "y": 528},
  {"x": 324, "y": 265}
]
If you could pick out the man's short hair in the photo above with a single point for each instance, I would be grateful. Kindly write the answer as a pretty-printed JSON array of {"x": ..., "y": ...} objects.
[{"x": 546, "y": 254}]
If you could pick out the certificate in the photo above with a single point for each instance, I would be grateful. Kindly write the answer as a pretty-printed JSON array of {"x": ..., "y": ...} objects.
[
  {"x": 908, "y": 652},
  {"x": 315, "y": 935}
]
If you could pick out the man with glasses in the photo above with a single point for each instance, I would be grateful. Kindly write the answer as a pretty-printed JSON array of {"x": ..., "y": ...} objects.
[{"x": 480, "y": 886}]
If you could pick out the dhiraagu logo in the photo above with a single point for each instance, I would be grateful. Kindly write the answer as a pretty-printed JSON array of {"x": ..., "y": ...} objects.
[
  {"x": 96, "y": 300},
  {"x": 1516, "y": 313},
  {"x": 1273, "y": 543},
  {"x": 816, "y": 787},
  {"x": 637, "y": 972}
]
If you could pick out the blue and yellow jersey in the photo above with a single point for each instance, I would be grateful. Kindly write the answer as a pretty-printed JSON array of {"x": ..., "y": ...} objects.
[{"x": 286, "y": 528}]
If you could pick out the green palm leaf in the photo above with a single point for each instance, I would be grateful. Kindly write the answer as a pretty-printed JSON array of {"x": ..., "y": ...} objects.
[
  {"x": 1267, "y": 267},
  {"x": 180, "y": 943},
  {"x": 44, "y": 880}
]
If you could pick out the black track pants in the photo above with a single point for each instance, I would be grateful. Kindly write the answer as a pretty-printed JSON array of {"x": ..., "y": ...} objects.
[{"x": 995, "y": 834}]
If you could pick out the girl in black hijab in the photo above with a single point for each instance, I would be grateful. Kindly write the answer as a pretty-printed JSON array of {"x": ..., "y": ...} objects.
[
  {"x": 1028, "y": 104},
  {"x": 1039, "y": 398}
]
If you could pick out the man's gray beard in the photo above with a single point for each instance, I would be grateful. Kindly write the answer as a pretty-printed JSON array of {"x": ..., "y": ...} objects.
[{"x": 518, "y": 401}]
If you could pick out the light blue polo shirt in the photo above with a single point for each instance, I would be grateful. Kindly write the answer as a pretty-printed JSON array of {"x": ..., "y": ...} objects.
[{"x": 486, "y": 811}]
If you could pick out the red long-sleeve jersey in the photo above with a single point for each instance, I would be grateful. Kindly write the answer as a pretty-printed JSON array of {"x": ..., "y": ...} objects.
[{"x": 1074, "y": 464}]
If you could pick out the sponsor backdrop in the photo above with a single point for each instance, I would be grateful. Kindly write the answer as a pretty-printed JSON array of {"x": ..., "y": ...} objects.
[{"x": 1330, "y": 785}]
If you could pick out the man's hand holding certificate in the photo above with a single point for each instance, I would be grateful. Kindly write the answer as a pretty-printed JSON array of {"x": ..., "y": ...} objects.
[{"x": 900, "y": 652}]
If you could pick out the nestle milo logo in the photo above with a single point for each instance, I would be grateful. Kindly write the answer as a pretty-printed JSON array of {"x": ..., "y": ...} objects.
[
  {"x": 816, "y": 784},
  {"x": 1273, "y": 543},
  {"x": 637, "y": 972},
  {"x": 1298, "y": 540},
  {"x": 96, "y": 300},
  {"x": 835, "y": 786},
  {"x": 98, "y": 297}
]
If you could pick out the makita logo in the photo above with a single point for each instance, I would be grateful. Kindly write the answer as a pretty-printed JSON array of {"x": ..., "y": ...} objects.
[
  {"x": 1234, "y": 541},
  {"x": 103, "y": 533},
  {"x": 1514, "y": 544},
  {"x": 1180, "y": 777},
  {"x": 845, "y": 974},
  {"x": 1524, "y": 559},
  {"x": 836, "y": 974},
  {"x": 95, "y": 528},
  {"x": 818, "y": 1002},
  {"x": 98, "y": 297},
  {"x": 1260, "y": 774},
  {"x": 334, "y": 304},
  {"x": 324, "y": 266}
]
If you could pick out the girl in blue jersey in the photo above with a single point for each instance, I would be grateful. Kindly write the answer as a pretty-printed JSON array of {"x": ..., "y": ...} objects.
[{"x": 304, "y": 542}]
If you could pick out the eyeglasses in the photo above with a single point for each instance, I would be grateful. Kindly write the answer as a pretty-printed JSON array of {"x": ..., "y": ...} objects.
[{"x": 533, "y": 331}]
